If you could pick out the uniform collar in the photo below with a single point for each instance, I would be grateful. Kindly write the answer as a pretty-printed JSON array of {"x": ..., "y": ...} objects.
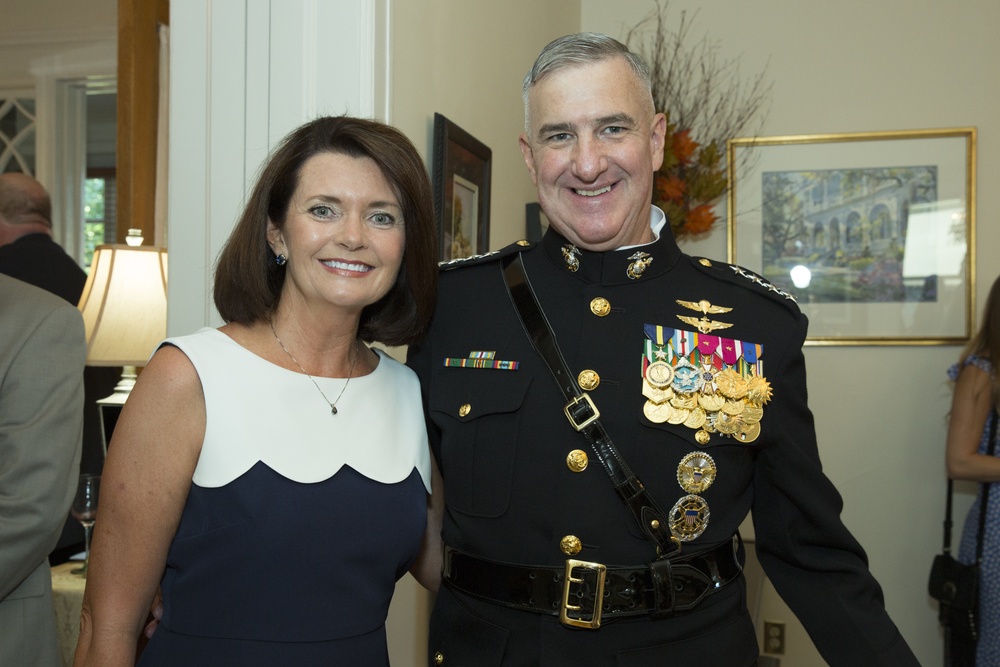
[{"x": 612, "y": 267}]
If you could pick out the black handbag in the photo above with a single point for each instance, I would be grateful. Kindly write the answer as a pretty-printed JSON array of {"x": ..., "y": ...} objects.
[{"x": 955, "y": 585}]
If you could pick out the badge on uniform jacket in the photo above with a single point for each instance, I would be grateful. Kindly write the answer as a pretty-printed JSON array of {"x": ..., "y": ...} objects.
[
  {"x": 706, "y": 382},
  {"x": 481, "y": 359}
]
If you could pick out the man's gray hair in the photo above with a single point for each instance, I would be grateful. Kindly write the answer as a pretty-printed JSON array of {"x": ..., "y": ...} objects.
[{"x": 582, "y": 48}]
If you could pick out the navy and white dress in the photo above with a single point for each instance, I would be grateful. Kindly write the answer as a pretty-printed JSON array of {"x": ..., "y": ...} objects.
[
  {"x": 298, "y": 522},
  {"x": 988, "y": 648}
]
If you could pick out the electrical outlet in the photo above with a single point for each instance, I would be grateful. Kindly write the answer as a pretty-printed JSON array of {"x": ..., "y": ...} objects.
[{"x": 774, "y": 637}]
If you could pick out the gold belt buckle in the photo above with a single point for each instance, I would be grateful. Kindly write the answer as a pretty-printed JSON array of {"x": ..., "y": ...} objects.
[{"x": 600, "y": 572}]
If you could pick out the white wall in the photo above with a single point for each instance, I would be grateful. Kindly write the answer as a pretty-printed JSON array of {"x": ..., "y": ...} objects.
[
  {"x": 863, "y": 65},
  {"x": 465, "y": 60}
]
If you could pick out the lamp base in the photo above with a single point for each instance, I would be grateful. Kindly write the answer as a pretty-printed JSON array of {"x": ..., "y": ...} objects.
[{"x": 111, "y": 406}]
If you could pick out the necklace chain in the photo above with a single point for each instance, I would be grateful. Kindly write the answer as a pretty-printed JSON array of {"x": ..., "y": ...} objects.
[{"x": 333, "y": 405}]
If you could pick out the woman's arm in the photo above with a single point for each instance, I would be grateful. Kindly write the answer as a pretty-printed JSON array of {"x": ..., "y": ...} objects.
[
  {"x": 145, "y": 484},
  {"x": 427, "y": 568},
  {"x": 970, "y": 406}
]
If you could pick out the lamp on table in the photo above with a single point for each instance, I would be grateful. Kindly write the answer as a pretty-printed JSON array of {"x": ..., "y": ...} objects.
[{"x": 124, "y": 306}]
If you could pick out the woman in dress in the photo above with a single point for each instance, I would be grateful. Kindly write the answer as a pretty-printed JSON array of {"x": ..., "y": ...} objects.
[
  {"x": 973, "y": 410},
  {"x": 272, "y": 476}
]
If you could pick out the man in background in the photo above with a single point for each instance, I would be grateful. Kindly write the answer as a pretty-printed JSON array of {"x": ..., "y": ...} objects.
[
  {"x": 28, "y": 253},
  {"x": 42, "y": 353}
]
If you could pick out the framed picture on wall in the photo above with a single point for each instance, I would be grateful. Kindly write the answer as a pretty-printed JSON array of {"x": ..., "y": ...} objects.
[
  {"x": 462, "y": 167},
  {"x": 872, "y": 233}
]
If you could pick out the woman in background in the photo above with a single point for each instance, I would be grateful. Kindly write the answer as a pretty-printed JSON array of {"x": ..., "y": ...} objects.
[
  {"x": 973, "y": 411},
  {"x": 272, "y": 475}
]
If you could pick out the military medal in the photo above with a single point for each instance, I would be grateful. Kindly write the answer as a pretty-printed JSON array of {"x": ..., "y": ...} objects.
[
  {"x": 731, "y": 384},
  {"x": 689, "y": 518},
  {"x": 677, "y": 415},
  {"x": 657, "y": 413},
  {"x": 709, "y": 384},
  {"x": 660, "y": 374},
  {"x": 656, "y": 395},
  {"x": 711, "y": 402},
  {"x": 696, "y": 472},
  {"x": 687, "y": 379},
  {"x": 696, "y": 418}
]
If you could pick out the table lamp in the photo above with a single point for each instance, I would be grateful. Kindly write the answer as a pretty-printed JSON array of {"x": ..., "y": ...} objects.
[{"x": 124, "y": 306}]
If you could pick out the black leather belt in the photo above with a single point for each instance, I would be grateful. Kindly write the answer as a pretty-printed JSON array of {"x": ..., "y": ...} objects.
[{"x": 581, "y": 593}]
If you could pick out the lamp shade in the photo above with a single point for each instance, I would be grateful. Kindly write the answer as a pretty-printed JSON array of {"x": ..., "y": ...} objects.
[{"x": 124, "y": 304}]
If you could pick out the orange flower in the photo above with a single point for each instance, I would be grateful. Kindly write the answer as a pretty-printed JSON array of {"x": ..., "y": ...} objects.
[
  {"x": 684, "y": 146},
  {"x": 700, "y": 219},
  {"x": 670, "y": 188}
]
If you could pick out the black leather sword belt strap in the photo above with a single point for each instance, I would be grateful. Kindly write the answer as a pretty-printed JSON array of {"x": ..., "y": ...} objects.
[
  {"x": 581, "y": 593},
  {"x": 583, "y": 414}
]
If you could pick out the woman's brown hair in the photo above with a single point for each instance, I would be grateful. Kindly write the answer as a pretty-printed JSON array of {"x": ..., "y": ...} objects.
[
  {"x": 248, "y": 280},
  {"x": 986, "y": 342}
]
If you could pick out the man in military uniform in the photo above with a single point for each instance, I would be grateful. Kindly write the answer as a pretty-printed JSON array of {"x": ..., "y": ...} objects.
[{"x": 692, "y": 370}]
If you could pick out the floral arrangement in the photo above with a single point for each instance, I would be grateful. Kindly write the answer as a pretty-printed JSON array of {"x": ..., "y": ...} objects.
[
  {"x": 706, "y": 102},
  {"x": 691, "y": 178}
]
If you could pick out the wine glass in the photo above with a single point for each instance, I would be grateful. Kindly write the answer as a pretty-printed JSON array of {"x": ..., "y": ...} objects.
[{"x": 84, "y": 510}]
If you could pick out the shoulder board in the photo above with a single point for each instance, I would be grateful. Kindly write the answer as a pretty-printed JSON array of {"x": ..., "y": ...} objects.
[
  {"x": 737, "y": 275},
  {"x": 485, "y": 258}
]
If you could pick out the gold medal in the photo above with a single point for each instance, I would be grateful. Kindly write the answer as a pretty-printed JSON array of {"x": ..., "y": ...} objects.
[
  {"x": 689, "y": 518},
  {"x": 726, "y": 424},
  {"x": 731, "y": 384},
  {"x": 733, "y": 408},
  {"x": 684, "y": 401},
  {"x": 696, "y": 472},
  {"x": 656, "y": 395},
  {"x": 695, "y": 419},
  {"x": 660, "y": 374},
  {"x": 749, "y": 432},
  {"x": 711, "y": 402},
  {"x": 758, "y": 390},
  {"x": 657, "y": 412},
  {"x": 677, "y": 417},
  {"x": 752, "y": 414}
]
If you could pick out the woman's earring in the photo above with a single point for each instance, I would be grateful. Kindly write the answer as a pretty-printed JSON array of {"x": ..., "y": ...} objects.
[{"x": 281, "y": 260}]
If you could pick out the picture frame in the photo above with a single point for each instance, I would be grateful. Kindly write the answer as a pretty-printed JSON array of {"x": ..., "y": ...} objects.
[
  {"x": 872, "y": 233},
  {"x": 462, "y": 169}
]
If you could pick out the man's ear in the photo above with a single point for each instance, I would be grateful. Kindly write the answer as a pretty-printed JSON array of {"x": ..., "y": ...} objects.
[
  {"x": 657, "y": 139},
  {"x": 529, "y": 158}
]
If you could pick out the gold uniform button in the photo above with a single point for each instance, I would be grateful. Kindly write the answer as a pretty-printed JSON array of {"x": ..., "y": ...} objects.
[
  {"x": 570, "y": 545},
  {"x": 600, "y": 306},
  {"x": 588, "y": 380},
  {"x": 464, "y": 410},
  {"x": 577, "y": 460},
  {"x": 704, "y": 262},
  {"x": 438, "y": 658},
  {"x": 522, "y": 243}
]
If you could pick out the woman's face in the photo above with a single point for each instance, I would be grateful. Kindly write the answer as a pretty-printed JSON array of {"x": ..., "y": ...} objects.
[{"x": 343, "y": 234}]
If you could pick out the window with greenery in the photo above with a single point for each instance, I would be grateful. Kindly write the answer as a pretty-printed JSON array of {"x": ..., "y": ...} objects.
[{"x": 94, "y": 207}]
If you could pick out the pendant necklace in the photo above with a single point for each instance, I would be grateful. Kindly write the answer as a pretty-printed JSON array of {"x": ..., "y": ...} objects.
[{"x": 350, "y": 374}]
